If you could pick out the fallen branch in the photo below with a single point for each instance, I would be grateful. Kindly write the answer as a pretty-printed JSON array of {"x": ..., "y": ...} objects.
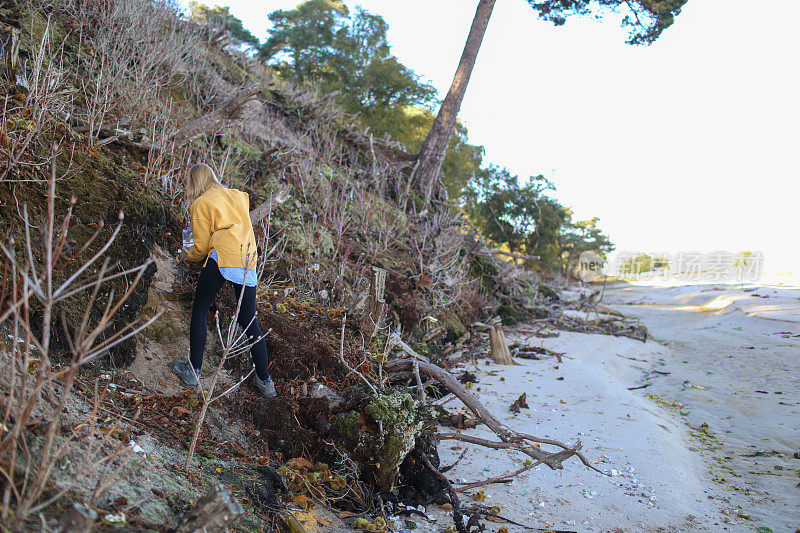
[
  {"x": 277, "y": 197},
  {"x": 509, "y": 439},
  {"x": 525, "y": 352},
  {"x": 394, "y": 340},
  {"x": 503, "y": 477},
  {"x": 219, "y": 118},
  {"x": 453, "y": 465}
]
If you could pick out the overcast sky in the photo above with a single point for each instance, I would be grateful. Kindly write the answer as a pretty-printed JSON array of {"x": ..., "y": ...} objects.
[{"x": 688, "y": 144}]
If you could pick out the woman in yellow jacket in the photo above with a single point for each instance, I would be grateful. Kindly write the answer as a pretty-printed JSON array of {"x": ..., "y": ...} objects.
[{"x": 223, "y": 238}]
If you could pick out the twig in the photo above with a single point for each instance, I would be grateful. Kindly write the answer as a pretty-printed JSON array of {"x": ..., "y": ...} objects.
[
  {"x": 450, "y": 467},
  {"x": 344, "y": 361},
  {"x": 487, "y": 512}
]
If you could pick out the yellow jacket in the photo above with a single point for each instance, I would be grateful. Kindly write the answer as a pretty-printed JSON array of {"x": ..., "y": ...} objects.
[{"x": 221, "y": 222}]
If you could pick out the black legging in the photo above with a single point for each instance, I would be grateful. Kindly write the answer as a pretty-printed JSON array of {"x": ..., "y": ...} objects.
[{"x": 207, "y": 288}]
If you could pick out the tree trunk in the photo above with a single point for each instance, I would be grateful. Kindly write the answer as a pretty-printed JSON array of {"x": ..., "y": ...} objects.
[
  {"x": 431, "y": 155},
  {"x": 372, "y": 321}
]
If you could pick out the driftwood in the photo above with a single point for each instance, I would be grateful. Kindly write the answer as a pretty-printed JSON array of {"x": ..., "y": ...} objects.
[
  {"x": 500, "y": 351},
  {"x": 372, "y": 321},
  {"x": 80, "y": 519},
  {"x": 509, "y": 438},
  {"x": 213, "y": 512},
  {"x": 219, "y": 118},
  {"x": 533, "y": 352}
]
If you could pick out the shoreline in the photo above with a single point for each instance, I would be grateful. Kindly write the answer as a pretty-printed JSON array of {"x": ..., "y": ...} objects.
[{"x": 701, "y": 443}]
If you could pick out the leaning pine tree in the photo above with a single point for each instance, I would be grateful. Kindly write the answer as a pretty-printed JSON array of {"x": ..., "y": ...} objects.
[{"x": 645, "y": 18}]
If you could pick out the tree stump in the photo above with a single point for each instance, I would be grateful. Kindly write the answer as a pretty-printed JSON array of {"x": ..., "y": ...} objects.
[
  {"x": 375, "y": 313},
  {"x": 80, "y": 519},
  {"x": 500, "y": 351},
  {"x": 212, "y": 513},
  {"x": 9, "y": 51}
]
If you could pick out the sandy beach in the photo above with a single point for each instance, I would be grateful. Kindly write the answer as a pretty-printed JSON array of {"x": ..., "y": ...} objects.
[{"x": 697, "y": 429}]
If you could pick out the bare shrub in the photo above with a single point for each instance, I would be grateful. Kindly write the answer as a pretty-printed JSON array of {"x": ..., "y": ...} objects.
[
  {"x": 24, "y": 125},
  {"x": 33, "y": 374},
  {"x": 143, "y": 51}
]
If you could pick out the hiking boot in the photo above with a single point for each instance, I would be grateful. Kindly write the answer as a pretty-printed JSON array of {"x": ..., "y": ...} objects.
[
  {"x": 265, "y": 387},
  {"x": 183, "y": 370}
]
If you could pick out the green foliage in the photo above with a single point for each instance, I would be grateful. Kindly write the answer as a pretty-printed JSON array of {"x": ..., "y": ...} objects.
[
  {"x": 583, "y": 236},
  {"x": 527, "y": 220},
  {"x": 302, "y": 40},
  {"x": 321, "y": 42},
  {"x": 518, "y": 215},
  {"x": 324, "y": 43},
  {"x": 222, "y": 18},
  {"x": 645, "y": 19}
]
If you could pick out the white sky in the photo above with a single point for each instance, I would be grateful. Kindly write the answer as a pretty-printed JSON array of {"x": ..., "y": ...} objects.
[{"x": 689, "y": 144}]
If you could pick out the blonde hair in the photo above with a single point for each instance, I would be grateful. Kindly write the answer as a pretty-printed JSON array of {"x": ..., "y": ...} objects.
[{"x": 199, "y": 179}]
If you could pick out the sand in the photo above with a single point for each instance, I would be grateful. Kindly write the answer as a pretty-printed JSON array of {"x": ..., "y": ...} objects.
[{"x": 706, "y": 445}]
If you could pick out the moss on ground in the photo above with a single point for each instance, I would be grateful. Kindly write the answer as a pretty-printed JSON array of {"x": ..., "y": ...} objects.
[{"x": 455, "y": 327}]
